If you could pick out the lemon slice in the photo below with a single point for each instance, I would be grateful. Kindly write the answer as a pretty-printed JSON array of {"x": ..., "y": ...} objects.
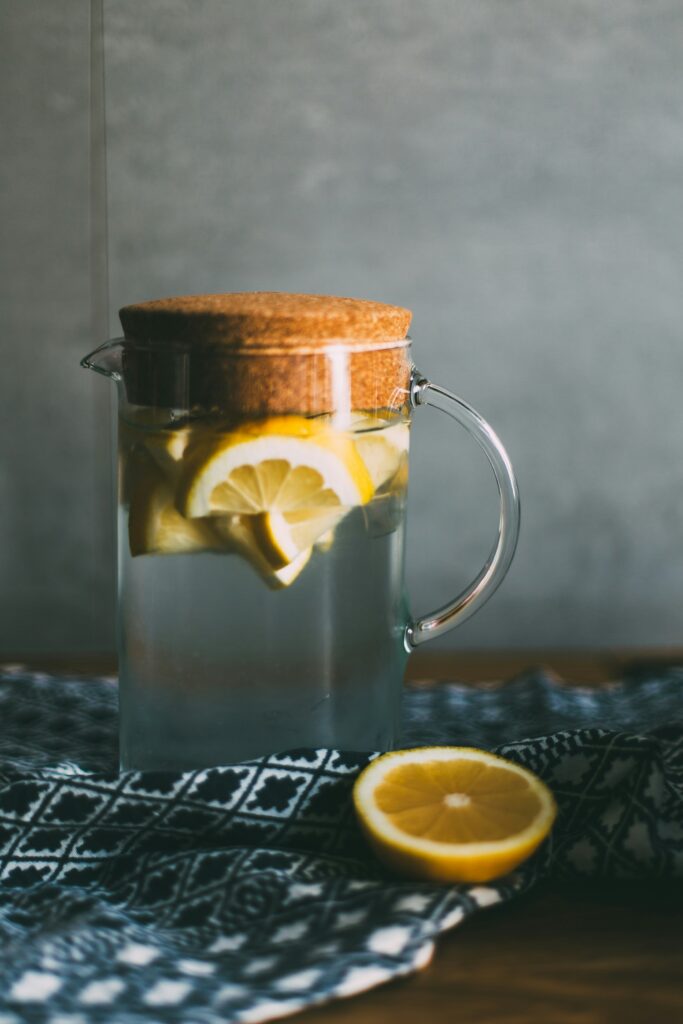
[
  {"x": 283, "y": 536},
  {"x": 453, "y": 814},
  {"x": 297, "y": 477},
  {"x": 325, "y": 541},
  {"x": 383, "y": 449},
  {"x": 167, "y": 448},
  {"x": 237, "y": 534},
  {"x": 154, "y": 524}
]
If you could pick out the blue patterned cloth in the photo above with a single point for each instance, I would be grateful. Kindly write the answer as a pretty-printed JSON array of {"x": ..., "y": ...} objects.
[{"x": 245, "y": 892}]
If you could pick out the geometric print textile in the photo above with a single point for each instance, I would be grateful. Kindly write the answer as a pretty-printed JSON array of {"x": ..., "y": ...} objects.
[{"x": 246, "y": 892}]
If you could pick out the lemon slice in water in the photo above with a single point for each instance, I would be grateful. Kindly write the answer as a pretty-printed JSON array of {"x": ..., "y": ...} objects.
[
  {"x": 237, "y": 535},
  {"x": 167, "y": 448},
  {"x": 154, "y": 524},
  {"x": 383, "y": 448},
  {"x": 294, "y": 476}
]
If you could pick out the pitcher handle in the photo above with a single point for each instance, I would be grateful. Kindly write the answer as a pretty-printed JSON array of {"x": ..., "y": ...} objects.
[{"x": 427, "y": 627}]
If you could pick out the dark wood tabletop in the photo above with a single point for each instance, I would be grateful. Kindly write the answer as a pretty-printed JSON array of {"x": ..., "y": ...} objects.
[{"x": 565, "y": 953}]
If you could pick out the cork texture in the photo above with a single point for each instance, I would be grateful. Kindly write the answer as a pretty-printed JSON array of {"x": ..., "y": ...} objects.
[{"x": 266, "y": 353}]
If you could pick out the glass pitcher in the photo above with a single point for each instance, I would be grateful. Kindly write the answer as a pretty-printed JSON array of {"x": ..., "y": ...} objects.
[{"x": 262, "y": 474}]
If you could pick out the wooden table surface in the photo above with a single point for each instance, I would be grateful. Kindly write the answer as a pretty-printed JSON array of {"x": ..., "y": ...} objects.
[{"x": 579, "y": 953}]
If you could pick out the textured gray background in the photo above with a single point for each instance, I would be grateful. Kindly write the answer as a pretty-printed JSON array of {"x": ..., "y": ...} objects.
[{"x": 512, "y": 170}]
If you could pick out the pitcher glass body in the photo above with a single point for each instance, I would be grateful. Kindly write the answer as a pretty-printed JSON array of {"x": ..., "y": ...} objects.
[{"x": 262, "y": 484}]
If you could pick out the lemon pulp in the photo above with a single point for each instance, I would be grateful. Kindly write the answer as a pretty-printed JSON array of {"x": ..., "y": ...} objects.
[{"x": 450, "y": 813}]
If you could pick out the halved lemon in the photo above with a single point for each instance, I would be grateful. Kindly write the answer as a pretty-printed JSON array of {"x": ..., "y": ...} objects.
[
  {"x": 452, "y": 814},
  {"x": 154, "y": 524},
  {"x": 297, "y": 477}
]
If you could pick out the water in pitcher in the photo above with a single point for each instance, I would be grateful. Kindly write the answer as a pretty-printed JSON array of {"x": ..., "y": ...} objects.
[{"x": 261, "y": 594}]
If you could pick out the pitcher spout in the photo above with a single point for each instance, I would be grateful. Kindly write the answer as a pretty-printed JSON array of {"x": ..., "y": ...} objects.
[{"x": 106, "y": 359}]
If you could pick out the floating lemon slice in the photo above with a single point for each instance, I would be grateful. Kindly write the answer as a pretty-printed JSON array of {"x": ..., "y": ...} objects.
[
  {"x": 382, "y": 448},
  {"x": 156, "y": 527},
  {"x": 154, "y": 524},
  {"x": 167, "y": 448},
  {"x": 296, "y": 477},
  {"x": 453, "y": 814},
  {"x": 237, "y": 535},
  {"x": 283, "y": 536}
]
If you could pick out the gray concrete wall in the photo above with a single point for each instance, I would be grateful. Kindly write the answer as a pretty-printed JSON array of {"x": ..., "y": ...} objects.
[
  {"x": 55, "y": 524},
  {"x": 510, "y": 169}
]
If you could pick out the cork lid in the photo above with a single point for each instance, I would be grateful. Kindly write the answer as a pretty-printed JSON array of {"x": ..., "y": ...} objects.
[
  {"x": 265, "y": 353},
  {"x": 240, "y": 320}
]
